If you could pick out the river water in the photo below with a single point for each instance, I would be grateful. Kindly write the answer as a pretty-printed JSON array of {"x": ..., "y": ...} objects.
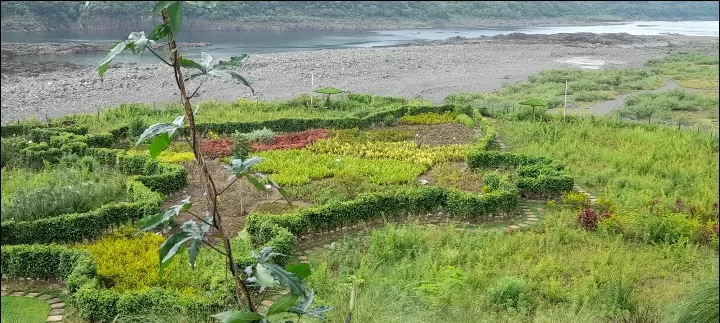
[{"x": 226, "y": 43}]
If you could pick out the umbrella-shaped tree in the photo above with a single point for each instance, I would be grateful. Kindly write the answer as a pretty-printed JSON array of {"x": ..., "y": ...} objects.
[
  {"x": 534, "y": 103},
  {"x": 329, "y": 91}
]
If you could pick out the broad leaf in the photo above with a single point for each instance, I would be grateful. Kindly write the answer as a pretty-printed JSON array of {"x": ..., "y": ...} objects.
[
  {"x": 160, "y": 5},
  {"x": 300, "y": 270},
  {"x": 277, "y": 186},
  {"x": 155, "y": 220},
  {"x": 264, "y": 277},
  {"x": 203, "y": 4},
  {"x": 174, "y": 11},
  {"x": 308, "y": 299},
  {"x": 286, "y": 278},
  {"x": 159, "y": 144},
  {"x": 237, "y": 317},
  {"x": 231, "y": 75},
  {"x": 157, "y": 129},
  {"x": 282, "y": 304},
  {"x": 188, "y": 63},
  {"x": 119, "y": 47},
  {"x": 240, "y": 167},
  {"x": 247, "y": 163},
  {"x": 87, "y": 3},
  {"x": 265, "y": 255},
  {"x": 256, "y": 183},
  {"x": 193, "y": 251},
  {"x": 170, "y": 248},
  {"x": 179, "y": 121},
  {"x": 159, "y": 32},
  {"x": 234, "y": 62},
  {"x": 139, "y": 42}
]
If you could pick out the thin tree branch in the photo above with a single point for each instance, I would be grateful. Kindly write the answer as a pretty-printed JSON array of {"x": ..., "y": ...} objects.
[
  {"x": 203, "y": 221},
  {"x": 226, "y": 187},
  {"x": 214, "y": 248},
  {"x": 198, "y": 87},
  {"x": 158, "y": 56}
]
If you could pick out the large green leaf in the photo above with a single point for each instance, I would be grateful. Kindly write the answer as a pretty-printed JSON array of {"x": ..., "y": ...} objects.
[
  {"x": 237, "y": 317},
  {"x": 233, "y": 76},
  {"x": 174, "y": 11},
  {"x": 193, "y": 251},
  {"x": 265, "y": 255},
  {"x": 156, "y": 130},
  {"x": 256, "y": 183},
  {"x": 300, "y": 270},
  {"x": 159, "y": 32},
  {"x": 171, "y": 247},
  {"x": 203, "y": 4},
  {"x": 304, "y": 307},
  {"x": 159, "y": 144},
  {"x": 103, "y": 65},
  {"x": 234, "y": 62},
  {"x": 160, "y": 5},
  {"x": 188, "y": 63},
  {"x": 282, "y": 304},
  {"x": 264, "y": 277},
  {"x": 240, "y": 167},
  {"x": 139, "y": 41},
  {"x": 155, "y": 220},
  {"x": 286, "y": 278}
]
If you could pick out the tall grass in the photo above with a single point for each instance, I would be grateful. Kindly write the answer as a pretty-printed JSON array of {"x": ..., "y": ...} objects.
[
  {"x": 28, "y": 195},
  {"x": 702, "y": 303},
  {"x": 419, "y": 274},
  {"x": 694, "y": 70},
  {"x": 631, "y": 165}
]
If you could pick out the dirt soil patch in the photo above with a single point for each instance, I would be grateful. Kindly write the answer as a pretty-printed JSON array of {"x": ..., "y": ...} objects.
[
  {"x": 438, "y": 134},
  {"x": 234, "y": 204}
]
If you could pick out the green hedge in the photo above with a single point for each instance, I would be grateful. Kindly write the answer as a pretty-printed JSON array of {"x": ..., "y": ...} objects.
[
  {"x": 76, "y": 227},
  {"x": 263, "y": 228},
  {"x": 302, "y": 124},
  {"x": 92, "y": 301},
  {"x": 538, "y": 175}
]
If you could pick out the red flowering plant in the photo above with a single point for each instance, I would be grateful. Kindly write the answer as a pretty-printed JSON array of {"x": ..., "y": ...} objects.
[{"x": 216, "y": 148}]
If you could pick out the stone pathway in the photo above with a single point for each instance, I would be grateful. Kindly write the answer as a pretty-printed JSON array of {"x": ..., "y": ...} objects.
[{"x": 57, "y": 307}]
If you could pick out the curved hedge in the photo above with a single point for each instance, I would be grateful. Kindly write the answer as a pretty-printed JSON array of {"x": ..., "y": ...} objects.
[
  {"x": 150, "y": 179},
  {"x": 79, "y": 271},
  {"x": 264, "y": 228}
]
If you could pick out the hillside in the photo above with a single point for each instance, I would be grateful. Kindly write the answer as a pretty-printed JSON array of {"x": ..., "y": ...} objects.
[{"x": 337, "y": 15}]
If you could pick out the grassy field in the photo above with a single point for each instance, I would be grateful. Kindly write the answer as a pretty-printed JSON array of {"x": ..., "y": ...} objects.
[
  {"x": 560, "y": 273},
  {"x": 24, "y": 309},
  {"x": 691, "y": 70}
]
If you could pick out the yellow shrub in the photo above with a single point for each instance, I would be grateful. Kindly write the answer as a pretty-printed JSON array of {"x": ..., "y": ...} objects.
[
  {"x": 403, "y": 150},
  {"x": 576, "y": 200},
  {"x": 173, "y": 157},
  {"x": 429, "y": 118},
  {"x": 125, "y": 262}
]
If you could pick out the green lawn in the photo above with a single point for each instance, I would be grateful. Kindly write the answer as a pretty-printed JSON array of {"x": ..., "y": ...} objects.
[{"x": 16, "y": 309}]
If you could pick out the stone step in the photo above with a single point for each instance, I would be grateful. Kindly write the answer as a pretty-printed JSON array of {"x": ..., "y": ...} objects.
[
  {"x": 32, "y": 294},
  {"x": 53, "y": 300},
  {"x": 57, "y": 305},
  {"x": 54, "y": 318}
]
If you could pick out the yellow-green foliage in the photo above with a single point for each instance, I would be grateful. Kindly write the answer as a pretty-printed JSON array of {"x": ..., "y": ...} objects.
[
  {"x": 126, "y": 262},
  {"x": 404, "y": 151},
  {"x": 171, "y": 157},
  {"x": 294, "y": 167},
  {"x": 633, "y": 165},
  {"x": 576, "y": 200},
  {"x": 429, "y": 118}
]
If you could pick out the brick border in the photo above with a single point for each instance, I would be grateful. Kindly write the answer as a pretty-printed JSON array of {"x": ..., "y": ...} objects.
[{"x": 57, "y": 307}]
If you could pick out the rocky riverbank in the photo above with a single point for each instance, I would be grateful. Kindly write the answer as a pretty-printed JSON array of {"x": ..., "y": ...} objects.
[{"x": 415, "y": 71}]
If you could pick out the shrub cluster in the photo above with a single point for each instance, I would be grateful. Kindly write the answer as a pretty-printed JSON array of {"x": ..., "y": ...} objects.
[{"x": 292, "y": 140}]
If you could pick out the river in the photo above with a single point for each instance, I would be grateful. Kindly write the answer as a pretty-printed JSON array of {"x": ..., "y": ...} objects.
[{"x": 226, "y": 43}]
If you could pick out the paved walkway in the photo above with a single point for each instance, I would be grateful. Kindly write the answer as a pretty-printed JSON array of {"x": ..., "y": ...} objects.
[
  {"x": 57, "y": 307},
  {"x": 606, "y": 107}
]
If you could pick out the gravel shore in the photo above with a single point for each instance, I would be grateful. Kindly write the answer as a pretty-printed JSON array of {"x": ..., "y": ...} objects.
[{"x": 415, "y": 71}]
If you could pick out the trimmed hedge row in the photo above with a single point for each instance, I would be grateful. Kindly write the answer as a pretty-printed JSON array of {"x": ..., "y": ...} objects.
[
  {"x": 79, "y": 272},
  {"x": 538, "y": 175},
  {"x": 76, "y": 227},
  {"x": 264, "y": 228},
  {"x": 487, "y": 141},
  {"x": 302, "y": 124}
]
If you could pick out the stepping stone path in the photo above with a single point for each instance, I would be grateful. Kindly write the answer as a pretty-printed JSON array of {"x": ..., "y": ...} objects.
[{"x": 57, "y": 307}]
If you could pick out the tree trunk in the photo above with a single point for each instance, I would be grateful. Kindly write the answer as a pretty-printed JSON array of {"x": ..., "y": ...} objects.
[{"x": 210, "y": 189}]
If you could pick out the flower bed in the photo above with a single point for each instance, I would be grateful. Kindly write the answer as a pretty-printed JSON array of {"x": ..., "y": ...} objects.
[{"x": 293, "y": 140}]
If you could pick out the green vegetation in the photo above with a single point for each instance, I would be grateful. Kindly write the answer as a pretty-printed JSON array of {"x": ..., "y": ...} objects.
[
  {"x": 583, "y": 87},
  {"x": 668, "y": 105},
  {"x": 317, "y": 14},
  {"x": 407, "y": 151},
  {"x": 29, "y": 195},
  {"x": 561, "y": 273},
  {"x": 24, "y": 309},
  {"x": 692, "y": 70}
]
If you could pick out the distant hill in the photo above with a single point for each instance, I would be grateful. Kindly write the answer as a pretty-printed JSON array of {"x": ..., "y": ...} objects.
[{"x": 336, "y": 15}]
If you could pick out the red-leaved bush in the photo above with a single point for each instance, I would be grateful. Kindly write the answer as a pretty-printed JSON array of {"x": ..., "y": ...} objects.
[
  {"x": 589, "y": 218},
  {"x": 216, "y": 148},
  {"x": 293, "y": 140}
]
